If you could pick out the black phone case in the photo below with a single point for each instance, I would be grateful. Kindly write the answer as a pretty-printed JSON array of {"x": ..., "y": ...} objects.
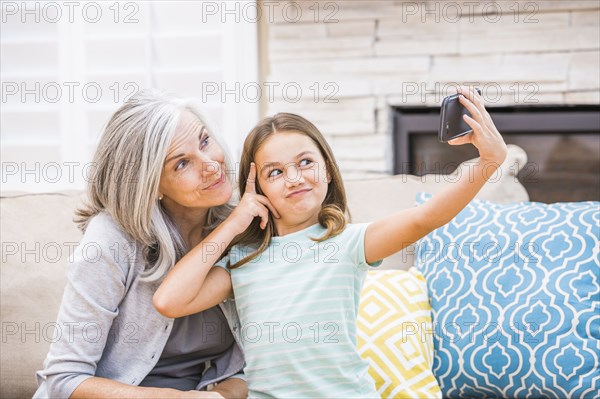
[{"x": 452, "y": 124}]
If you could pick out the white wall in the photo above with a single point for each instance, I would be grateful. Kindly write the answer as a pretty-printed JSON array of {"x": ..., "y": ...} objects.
[
  {"x": 66, "y": 67},
  {"x": 369, "y": 56}
]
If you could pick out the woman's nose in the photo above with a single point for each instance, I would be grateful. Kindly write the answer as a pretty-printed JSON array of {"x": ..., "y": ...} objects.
[{"x": 210, "y": 166}]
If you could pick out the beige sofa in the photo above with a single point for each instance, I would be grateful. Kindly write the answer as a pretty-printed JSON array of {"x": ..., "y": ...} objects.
[{"x": 38, "y": 236}]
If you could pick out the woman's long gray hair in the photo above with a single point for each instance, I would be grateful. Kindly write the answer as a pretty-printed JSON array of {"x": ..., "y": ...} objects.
[{"x": 128, "y": 164}]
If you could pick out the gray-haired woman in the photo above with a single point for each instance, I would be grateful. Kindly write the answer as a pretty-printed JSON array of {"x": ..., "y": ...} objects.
[{"x": 160, "y": 185}]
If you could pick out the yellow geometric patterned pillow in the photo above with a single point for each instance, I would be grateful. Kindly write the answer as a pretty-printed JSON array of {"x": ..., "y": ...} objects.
[{"x": 395, "y": 334}]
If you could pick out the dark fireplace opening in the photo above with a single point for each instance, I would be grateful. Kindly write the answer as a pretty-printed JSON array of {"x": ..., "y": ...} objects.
[{"x": 562, "y": 145}]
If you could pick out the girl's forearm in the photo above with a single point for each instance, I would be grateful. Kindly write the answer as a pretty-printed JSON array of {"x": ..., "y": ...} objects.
[
  {"x": 192, "y": 269},
  {"x": 445, "y": 205}
]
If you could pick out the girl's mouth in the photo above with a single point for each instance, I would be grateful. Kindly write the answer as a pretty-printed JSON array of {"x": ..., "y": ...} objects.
[{"x": 298, "y": 192}]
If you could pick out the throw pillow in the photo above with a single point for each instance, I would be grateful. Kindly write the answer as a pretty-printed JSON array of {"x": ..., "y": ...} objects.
[
  {"x": 394, "y": 334},
  {"x": 515, "y": 295}
]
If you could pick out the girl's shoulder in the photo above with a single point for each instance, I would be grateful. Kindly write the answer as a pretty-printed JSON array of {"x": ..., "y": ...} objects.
[
  {"x": 241, "y": 251},
  {"x": 352, "y": 237},
  {"x": 353, "y": 229}
]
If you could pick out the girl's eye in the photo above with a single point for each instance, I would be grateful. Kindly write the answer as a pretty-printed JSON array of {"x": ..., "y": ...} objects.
[
  {"x": 274, "y": 172},
  {"x": 305, "y": 162}
]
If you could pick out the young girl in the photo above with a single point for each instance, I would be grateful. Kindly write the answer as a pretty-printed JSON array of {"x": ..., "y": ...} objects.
[{"x": 294, "y": 264}]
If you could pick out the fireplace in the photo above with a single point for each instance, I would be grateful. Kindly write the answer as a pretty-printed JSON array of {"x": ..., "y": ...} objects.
[{"x": 562, "y": 145}]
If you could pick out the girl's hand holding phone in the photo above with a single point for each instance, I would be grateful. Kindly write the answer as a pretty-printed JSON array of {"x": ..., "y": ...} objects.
[
  {"x": 485, "y": 136},
  {"x": 251, "y": 205}
]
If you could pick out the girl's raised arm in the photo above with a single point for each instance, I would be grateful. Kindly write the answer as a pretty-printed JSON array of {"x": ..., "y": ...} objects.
[
  {"x": 194, "y": 285},
  {"x": 387, "y": 236}
]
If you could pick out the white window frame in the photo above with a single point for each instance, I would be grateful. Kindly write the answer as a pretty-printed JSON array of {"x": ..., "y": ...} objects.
[{"x": 239, "y": 65}]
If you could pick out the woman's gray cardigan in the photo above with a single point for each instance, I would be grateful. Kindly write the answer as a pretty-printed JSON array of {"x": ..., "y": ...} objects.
[{"x": 107, "y": 326}]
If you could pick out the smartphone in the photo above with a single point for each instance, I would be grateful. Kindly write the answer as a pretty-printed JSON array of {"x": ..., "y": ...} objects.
[{"x": 452, "y": 124}]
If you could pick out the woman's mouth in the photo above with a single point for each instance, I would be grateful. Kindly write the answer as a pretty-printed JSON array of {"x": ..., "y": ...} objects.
[{"x": 217, "y": 183}]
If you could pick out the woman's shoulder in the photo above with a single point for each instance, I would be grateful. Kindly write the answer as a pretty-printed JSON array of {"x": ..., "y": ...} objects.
[
  {"x": 103, "y": 229},
  {"x": 104, "y": 223},
  {"x": 106, "y": 243}
]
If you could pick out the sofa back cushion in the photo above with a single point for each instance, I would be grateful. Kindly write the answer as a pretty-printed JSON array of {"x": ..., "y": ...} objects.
[
  {"x": 369, "y": 200},
  {"x": 38, "y": 236}
]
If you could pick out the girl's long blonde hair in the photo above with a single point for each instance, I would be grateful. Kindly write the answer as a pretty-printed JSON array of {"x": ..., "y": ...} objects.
[
  {"x": 128, "y": 163},
  {"x": 334, "y": 214}
]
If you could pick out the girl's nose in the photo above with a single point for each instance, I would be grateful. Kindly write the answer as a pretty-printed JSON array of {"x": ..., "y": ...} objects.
[{"x": 293, "y": 176}]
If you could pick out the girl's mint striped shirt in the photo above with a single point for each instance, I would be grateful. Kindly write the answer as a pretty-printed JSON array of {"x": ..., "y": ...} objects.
[{"x": 298, "y": 303}]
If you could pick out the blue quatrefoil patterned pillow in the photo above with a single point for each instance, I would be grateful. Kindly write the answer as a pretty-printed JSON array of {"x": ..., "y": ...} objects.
[{"x": 515, "y": 295}]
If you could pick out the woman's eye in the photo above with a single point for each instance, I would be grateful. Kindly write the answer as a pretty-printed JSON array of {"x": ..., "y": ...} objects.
[
  {"x": 205, "y": 141},
  {"x": 305, "y": 162},
  {"x": 274, "y": 172},
  {"x": 180, "y": 165}
]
